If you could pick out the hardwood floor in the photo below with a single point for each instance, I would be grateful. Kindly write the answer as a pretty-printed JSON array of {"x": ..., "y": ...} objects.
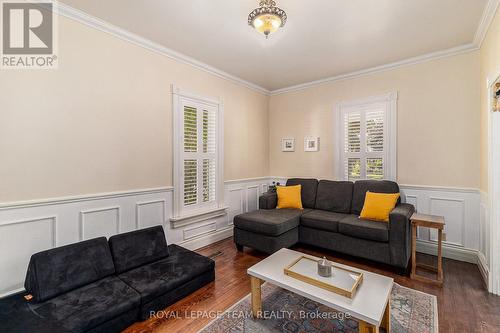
[{"x": 464, "y": 304}]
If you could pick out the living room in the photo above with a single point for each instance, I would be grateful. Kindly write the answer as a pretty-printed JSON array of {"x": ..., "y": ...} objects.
[{"x": 217, "y": 146}]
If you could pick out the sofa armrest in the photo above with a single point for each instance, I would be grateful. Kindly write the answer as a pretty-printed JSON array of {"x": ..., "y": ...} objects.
[
  {"x": 268, "y": 201},
  {"x": 400, "y": 234}
]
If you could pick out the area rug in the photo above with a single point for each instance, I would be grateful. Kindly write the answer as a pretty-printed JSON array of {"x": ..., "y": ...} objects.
[{"x": 412, "y": 311}]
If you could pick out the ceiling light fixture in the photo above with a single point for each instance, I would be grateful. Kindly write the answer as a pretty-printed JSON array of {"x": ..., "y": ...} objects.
[{"x": 267, "y": 18}]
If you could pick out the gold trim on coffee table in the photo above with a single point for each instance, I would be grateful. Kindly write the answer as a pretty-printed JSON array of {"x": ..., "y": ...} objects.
[{"x": 318, "y": 283}]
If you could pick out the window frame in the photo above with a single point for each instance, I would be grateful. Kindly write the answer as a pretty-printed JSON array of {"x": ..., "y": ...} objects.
[
  {"x": 184, "y": 215},
  {"x": 389, "y": 102}
]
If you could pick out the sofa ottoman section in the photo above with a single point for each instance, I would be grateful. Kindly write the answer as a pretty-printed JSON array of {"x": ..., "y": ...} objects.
[{"x": 267, "y": 230}]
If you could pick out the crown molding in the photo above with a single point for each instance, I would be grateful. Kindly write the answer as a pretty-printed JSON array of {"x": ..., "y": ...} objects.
[
  {"x": 383, "y": 68},
  {"x": 486, "y": 20},
  {"x": 484, "y": 25},
  {"x": 96, "y": 23}
]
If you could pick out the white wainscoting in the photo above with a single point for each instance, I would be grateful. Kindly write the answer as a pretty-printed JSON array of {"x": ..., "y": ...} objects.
[
  {"x": 30, "y": 227},
  {"x": 461, "y": 210}
]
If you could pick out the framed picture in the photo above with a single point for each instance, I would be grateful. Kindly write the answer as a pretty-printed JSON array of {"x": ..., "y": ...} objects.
[
  {"x": 288, "y": 144},
  {"x": 311, "y": 144}
]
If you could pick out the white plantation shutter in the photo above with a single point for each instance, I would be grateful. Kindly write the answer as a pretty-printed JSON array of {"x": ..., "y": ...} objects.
[
  {"x": 375, "y": 130},
  {"x": 208, "y": 180},
  {"x": 190, "y": 129},
  {"x": 368, "y": 139},
  {"x": 190, "y": 182},
  {"x": 199, "y": 155},
  {"x": 352, "y": 126},
  {"x": 374, "y": 122}
]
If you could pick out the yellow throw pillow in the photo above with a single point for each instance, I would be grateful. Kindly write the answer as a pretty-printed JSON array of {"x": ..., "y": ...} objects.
[
  {"x": 289, "y": 196},
  {"x": 378, "y": 206}
]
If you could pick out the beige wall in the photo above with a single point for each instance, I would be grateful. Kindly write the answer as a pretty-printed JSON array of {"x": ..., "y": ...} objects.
[
  {"x": 490, "y": 69},
  {"x": 438, "y": 122},
  {"x": 103, "y": 121}
]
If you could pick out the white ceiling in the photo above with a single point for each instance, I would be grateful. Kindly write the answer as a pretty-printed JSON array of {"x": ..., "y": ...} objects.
[{"x": 322, "y": 38}]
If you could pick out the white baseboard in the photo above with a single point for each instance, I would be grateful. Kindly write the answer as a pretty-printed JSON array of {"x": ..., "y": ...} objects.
[
  {"x": 202, "y": 241},
  {"x": 449, "y": 251}
]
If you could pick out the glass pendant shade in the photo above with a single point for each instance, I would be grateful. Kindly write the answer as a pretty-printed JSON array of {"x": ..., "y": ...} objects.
[{"x": 267, "y": 18}]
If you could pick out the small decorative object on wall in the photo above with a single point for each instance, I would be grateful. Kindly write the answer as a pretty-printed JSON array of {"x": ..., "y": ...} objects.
[
  {"x": 272, "y": 187},
  {"x": 496, "y": 99},
  {"x": 311, "y": 144},
  {"x": 288, "y": 144}
]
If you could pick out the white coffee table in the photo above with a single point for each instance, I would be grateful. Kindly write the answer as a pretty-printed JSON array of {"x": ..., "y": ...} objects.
[{"x": 370, "y": 305}]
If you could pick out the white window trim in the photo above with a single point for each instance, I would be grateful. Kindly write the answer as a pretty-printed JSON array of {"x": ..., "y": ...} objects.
[
  {"x": 390, "y": 166},
  {"x": 182, "y": 218},
  {"x": 493, "y": 242}
]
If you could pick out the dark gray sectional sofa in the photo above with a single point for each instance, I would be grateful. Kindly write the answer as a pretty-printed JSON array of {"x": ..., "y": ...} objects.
[
  {"x": 100, "y": 286},
  {"x": 330, "y": 220}
]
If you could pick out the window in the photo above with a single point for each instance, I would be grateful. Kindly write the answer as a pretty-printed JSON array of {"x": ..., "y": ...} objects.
[
  {"x": 367, "y": 131},
  {"x": 198, "y": 156}
]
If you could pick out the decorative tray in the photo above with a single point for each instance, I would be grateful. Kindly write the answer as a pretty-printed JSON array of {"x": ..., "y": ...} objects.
[{"x": 343, "y": 281}]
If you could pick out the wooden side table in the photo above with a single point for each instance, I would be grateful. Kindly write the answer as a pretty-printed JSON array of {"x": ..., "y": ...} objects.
[{"x": 427, "y": 221}]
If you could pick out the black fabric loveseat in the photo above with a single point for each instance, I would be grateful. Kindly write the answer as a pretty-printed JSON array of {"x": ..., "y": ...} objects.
[
  {"x": 330, "y": 220},
  {"x": 100, "y": 286}
]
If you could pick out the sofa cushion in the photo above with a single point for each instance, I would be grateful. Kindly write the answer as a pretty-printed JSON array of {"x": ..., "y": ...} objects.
[
  {"x": 289, "y": 196},
  {"x": 322, "y": 220},
  {"x": 136, "y": 248},
  {"x": 309, "y": 189},
  {"x": 272, "y": 222},
  {"x": 376, "y": 186},
  {"x": 378, "y": 206},
  {"x": 353, "y": 226},
  {"x": 157, "y": 278},
  {"x": 56, "y": 271},
  {"x": 334, "y": 196},
  {"x": 90, "y": 306}
]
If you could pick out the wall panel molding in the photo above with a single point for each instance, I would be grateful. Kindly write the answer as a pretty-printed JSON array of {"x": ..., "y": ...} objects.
[
  {"x": 141, "y": 205},
  {"x": 53, "y": 224},
  {"x": 18, "y": 239},
  {"x": 255, "y": 195},
  {"x": 200, "y": 230},
  {"x": 235, "y": 203},
  {"x": 461, "y": 222},
  {"x": 460, "y": 208},
  {"x": 103, "y": 221}
]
